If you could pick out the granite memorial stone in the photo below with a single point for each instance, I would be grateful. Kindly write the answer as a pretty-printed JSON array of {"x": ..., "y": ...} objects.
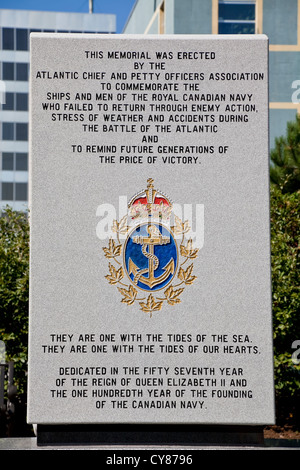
[{"x": 150, "y": 288}]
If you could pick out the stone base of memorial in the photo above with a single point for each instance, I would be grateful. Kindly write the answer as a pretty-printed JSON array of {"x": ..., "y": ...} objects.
[{"x": 125, "y": 434}]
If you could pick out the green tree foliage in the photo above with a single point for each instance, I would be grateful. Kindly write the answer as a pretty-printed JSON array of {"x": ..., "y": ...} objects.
[
  {"x": 14, "y": 288},
  {"x": 285, "y": 159},
  {"x": 285, "y": 249}
]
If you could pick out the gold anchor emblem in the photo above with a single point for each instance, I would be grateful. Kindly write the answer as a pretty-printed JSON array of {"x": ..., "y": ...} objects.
[
  {"x": 157, "y": 254},
  {"x": 155, "y": 238}
]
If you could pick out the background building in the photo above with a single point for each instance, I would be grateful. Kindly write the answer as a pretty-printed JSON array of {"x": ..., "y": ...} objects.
[
  {"x": 278, "y": 19},
  {"x": 15, "y": 28}
]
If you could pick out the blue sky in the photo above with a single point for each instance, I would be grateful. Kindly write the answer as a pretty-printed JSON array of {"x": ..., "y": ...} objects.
[{"x": 121, "y": 8}]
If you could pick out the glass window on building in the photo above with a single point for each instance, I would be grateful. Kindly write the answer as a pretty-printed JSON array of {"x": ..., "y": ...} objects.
[
  {"x": 8, "y": 71},
  {"x": 21, "y": 191},
  {"x": 8, "y": 131},
  {"x": 236, "y": 17},
  {"x": 22, "y": 39},
  {"x": 15, "y": 101},
  {"x": 7, "y": 161},
  {"x": 8, "y": 39},
  {"x": 21, "y": 161},
  {"x": 9, "y": 101},
  {"x": 12, "y": 161},
  {"x": 15, "y": 131},
  {"x": 21, "y": 101},
  {"x": 12, "y": 71},
  {"x": 22, "y": 72},
  {"x": 7, "y": 191},
  {"x": 21, "y": 131}
]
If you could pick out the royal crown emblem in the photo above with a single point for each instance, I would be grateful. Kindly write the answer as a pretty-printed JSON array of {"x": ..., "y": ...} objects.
[{"x": 148, "y": 267}]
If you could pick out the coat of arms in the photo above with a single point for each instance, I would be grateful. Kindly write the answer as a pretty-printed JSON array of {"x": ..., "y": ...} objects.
[{"x": 149, "y": 267}]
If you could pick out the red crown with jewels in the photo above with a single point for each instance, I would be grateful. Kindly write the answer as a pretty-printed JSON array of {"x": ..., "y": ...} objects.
[{"x": 150, "y": 202}]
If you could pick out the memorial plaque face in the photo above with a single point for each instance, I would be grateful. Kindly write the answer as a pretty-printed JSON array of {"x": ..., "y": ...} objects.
[{"x": 150, "y": 245}]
